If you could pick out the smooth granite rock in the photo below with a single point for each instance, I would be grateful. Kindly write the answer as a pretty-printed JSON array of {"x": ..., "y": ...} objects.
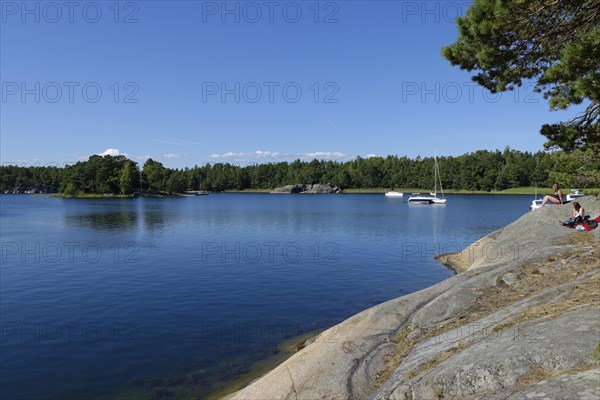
[{"x": 308, "y": 189}]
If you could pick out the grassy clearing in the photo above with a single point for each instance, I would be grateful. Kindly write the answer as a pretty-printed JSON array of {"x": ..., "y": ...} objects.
[
  {"x": 249, "y": 191},
  {"x": 92, "y": 196},
  {"x": 522, "y": 190},
  {"x": 406, "y": 191}
]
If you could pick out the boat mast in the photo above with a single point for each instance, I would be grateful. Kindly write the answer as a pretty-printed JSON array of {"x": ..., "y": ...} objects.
[
  {"x": 437, "y": 167},
  {"x": 435, "y": 174}
]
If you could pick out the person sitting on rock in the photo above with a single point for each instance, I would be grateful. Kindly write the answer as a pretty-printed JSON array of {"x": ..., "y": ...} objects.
[
  {"x": 577, "y": 218},
  {"x": 557, "y": 198}
]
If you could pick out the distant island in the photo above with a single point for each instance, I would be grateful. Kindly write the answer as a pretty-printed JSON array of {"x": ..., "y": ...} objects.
[{"x": 480, "y": 171}]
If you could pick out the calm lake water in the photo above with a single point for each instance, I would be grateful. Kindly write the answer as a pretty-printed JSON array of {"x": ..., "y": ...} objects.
[{"x": 174, "y": 297}]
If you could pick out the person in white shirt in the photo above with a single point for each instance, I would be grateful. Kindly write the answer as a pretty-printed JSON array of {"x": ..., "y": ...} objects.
[{"x": 578, "y": 214}]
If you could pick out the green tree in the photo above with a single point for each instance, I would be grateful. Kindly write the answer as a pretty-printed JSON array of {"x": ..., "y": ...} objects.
[
  {"x": 481, "y": 170},
  {"x": 554, "y": 43},
  {"x": 155, "y": 174},
  {"x": 127, "y": 179},
  {"x": 175, "y": 182},
  {"x": 70, "y": 190}
]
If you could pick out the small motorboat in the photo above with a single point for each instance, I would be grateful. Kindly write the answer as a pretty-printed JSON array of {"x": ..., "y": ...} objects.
[
  {"x": 197, "y": 192},
  {"x": 575, "y": 194},
  {"x": 536, "y": 203},
  {"x": 394, "y": 194}
]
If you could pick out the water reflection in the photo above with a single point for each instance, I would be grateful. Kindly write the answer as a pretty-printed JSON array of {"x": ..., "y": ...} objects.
[
  {"x": 154, "y": 220},
  {"x": 104, "y": 221},
  {"x": 206, "y": 317}
]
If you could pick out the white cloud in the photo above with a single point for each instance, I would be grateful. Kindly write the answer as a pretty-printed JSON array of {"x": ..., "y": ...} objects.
[
  {"x": 112, "y": 152},
  {"x": 267, "y": 154},
  {"x": 326, "y": 155},
  {"x": 173, "y": 156},
  {"x": 107, "y": 152},
  {"x": 227, "y": 155},
  {"x": 371, "y": 155},
  {"x": 274, "y": 155}
]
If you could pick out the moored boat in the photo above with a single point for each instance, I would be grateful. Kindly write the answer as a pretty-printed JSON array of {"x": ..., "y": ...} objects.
[
  {"x": 535, "y": 204},
  {"x": 394, "y": 194},
  {"x": 431, "y": 198},
  {"x": 575, "y": 194}
]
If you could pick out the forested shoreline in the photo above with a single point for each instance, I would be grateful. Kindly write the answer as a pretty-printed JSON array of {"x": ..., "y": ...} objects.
[{"x": 479, "y": 171}]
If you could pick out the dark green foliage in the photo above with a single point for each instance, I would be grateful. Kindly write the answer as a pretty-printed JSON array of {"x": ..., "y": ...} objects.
[
  {"x": 129, "y": 180},
  {"x": 70, "y": 190},
  {"x": 555, "y": 43},
  {"x": 98, "y": 175},
  {"x": 154, "y": 174},
  {"x": 45, "y": 178},
  {"x": 481, "y": 170}
]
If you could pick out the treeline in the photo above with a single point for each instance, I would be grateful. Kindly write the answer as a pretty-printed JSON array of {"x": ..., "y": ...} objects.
[{"x": 481, "y": 171}]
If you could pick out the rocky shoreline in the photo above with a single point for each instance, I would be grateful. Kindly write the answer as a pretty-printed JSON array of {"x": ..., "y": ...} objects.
[{"x": 520, "y": 320}]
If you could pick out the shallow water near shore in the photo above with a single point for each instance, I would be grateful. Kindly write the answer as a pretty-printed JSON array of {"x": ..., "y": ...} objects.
[{"x": 176, "y": 297}]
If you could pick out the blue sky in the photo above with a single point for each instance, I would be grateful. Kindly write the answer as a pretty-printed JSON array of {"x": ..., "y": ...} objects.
[{"x": 189, "y": 82}]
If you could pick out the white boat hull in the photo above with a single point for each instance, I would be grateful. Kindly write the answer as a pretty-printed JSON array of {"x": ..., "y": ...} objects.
[
  {"x": 420, "y": 201},
  {"x": 394, "y": 194},
  {"x": 431, "y": 198},
  {"x": 535, "y": 204},
  {"x": 424, "y": 199},
  {"x": 574, "y": 195}
]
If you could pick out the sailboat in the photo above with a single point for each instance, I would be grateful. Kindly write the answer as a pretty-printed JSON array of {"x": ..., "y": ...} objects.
[
  {"x": 431, "y": 198},
  {"x": 198, "y": 192},
  {"x": 536, "y": 203}
]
